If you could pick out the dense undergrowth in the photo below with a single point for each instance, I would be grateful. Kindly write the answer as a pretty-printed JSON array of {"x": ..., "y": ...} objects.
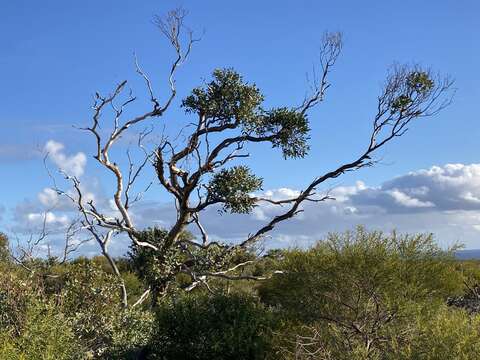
[{"x": 356, "y": 295}]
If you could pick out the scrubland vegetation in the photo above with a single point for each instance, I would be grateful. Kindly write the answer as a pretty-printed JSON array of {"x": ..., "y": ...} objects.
[{"x": 355, "y": 295}]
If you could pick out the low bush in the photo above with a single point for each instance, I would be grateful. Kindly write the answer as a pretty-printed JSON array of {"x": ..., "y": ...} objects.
[
  {"x": 211, "y": 327},
  {"x": 356, "y": 294}
]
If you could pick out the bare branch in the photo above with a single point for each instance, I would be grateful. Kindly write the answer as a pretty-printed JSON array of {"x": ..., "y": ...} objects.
[
  {"x": 330, "y": 50},
  {"x": 409, "y": 93}
]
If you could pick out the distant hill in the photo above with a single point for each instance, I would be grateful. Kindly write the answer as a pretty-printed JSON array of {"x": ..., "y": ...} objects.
[{"x": 468, "y": 254}]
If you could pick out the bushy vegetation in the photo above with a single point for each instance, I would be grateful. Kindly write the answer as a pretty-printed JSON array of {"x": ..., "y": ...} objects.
[
  {"x": 359, "y": 294},
  {"x": 211, "y": 327},
  {"x": 356, "y": 295}
]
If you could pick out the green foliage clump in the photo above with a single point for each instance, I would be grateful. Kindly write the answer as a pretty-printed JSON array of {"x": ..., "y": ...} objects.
[
  {"x": 46, "y": 334},
  {"x": 359, "y": 291},
  {"x": 232, "y": 187},
  {"x": 229, "y": 103},
  {"x": 164, "y": 276},
  {"x": 420, "y": 81},
  {"x": 4, "y": 250},
  {"x": 290, "y": 127},
  {"x": 91, "y": 301},
  {"x": 145, "y": 262},
  {"x": 211, "y": 327},
  {"x": 157, "y": 269},
  {"x": 411, "y": 88},
  {"x": 31, "y": 325},
  {"x": 396, "y": 268},
  {"x": 226, "y": 99},
  {"x": 401, "y": 103},
  {"x": 443, "y": 334},
  {"x": 131, "y": 333}
]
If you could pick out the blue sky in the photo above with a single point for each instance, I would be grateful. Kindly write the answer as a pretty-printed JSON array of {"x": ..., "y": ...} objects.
[{"x": 56, "y": 54}]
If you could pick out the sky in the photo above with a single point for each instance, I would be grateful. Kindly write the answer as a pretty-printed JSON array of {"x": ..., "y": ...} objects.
[{"x": 55, "y": 55}]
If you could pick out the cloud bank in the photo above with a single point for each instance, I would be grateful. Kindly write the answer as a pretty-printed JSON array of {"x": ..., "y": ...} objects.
[{"x": 444, "y": 200}]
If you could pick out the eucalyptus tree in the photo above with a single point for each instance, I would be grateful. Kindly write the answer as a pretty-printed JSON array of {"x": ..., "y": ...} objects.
[{"x": 195, "y": 168}]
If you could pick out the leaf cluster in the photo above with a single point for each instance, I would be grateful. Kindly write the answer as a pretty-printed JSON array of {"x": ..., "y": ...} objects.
[
  {"x": 410, "y": 88},
  {"x": 230, "y": 102},
  {"x": 227, "y": 99},
  {"x": 157, "y": 268},
  {"x": 233, "y": 187},
  {"x": 291, "y": 129}
]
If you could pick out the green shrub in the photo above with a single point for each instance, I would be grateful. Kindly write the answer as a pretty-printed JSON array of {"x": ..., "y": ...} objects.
[
  {"x": 45, "y": 335},
  {"x": 132, "y": 331},
  {"x": 357, "y": 292},
  {"x": 211, "y": 327},
  {"x": 442, "y": 334},
  {"x": 358, "y": 267},
  {"x": 4, "y": 248},
  {"x": 90, "y": 300}
]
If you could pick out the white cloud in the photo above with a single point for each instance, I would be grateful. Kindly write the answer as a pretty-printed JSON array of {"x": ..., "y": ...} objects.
[
  {"x": 50, "y": 207},
  {"x": 443, "y": 200},
  {"x": 281, "y": 193},
  {"x": 448, "y": 187},
  {"x": 48, "y": 197},
  {"x": 73, "y": 165},
  {"x": 343, "y": 193},
  {"x": 48, "y": 217},
  {"x": 440, "y": 200},
  {"x": 408, "y": 201}
]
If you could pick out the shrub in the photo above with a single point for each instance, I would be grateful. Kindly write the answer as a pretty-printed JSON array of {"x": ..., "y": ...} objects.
[
  {"x": 357, "y": 292},
  {"x": 4, "y": 248},
  {"x": 211, "y": 327},
  {"x": 31, "y": 327},
  {"x": 131, "y": 333},
  {"x": 444, "y": 334},
  {"x": 46, "y": 335},
  {"x": 90, "y": 301},
  {"x": 361, "y": 265}
]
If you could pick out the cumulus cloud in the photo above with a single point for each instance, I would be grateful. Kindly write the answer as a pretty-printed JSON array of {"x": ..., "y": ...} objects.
[
  {"x": 51, "y": 199},
  {"x": 440, "y": 188},
  {"x": 29, "y": 217},
  {"x": 48, "y": 217},
  {"x": 49, "y": 207},
  {"x": 72, "y": 165},
  {"x": 48, "y": 197},
  {"x": 267, "y": 209},
  {"x": 405, "y": 200},
  {"x": 444, "y": 200}
]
